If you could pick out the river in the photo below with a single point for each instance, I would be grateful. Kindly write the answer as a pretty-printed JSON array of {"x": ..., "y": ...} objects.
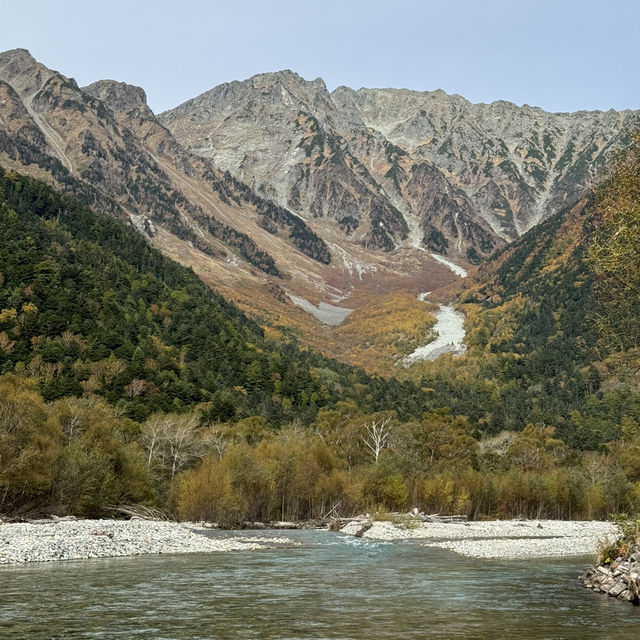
[{"x": 330, "y": 587}]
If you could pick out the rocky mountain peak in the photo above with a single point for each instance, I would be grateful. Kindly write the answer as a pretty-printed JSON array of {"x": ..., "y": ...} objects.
[
  {"x": 264, "y": 93},
  {"x": 292, "y": 91},
  {"x": 291, "y": 80},
  {"x": 120, "y": 97},
  {"x": 283, "y": 75},
  {"x": 17, "y": 56},
  {"x": 451, "y": 176},
  {"x": 25, "y": 74}
]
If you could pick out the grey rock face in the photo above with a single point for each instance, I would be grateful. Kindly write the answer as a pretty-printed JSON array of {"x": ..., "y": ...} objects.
[
  {"x": 392, "y": 167},
  {"x": 120, "y": 97},
  {"x": 26, "y": 75}
]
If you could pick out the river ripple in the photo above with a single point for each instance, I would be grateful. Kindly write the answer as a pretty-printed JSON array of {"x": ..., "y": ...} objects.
[{"x": 332, "y": 587}]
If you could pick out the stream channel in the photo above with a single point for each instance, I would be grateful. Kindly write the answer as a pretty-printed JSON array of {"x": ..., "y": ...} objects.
[{"x": 332, "y": 586}]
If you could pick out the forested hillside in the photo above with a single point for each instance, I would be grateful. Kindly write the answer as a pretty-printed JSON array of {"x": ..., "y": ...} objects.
[
  {"x": 530, "y": 339},
  {"x": 543, "y": 344},
  {"x": 128, "y": 381},
  {"x": 89, "y": 310},
  {"x": 89, "y": 307}
]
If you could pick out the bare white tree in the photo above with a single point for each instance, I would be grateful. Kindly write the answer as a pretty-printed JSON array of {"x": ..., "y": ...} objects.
[
  {"x": 216, "y": 438},
  {"x": 377, "y": 435},
  {"x": 151, "y": 438},
  {"x": 136, "y": 388},
  {"x": 171, "y": 442},
  {"x": 73, "y": 415},
  {"x": 183, "y": 447}
]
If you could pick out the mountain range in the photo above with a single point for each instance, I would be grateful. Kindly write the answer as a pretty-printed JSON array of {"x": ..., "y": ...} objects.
[
  {"x": 279, "y": 193},
  {"x": 126, "y": 377},
  {"x": 396, "y": 167}
]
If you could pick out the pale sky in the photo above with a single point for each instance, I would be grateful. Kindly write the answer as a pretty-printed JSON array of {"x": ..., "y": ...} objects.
[{"x": 561, "y": 55}]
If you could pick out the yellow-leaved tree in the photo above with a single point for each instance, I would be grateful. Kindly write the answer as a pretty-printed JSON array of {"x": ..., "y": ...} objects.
[{"x": 614, "y": 252}]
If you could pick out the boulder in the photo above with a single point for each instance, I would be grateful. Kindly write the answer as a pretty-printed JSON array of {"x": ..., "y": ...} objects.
[{"x": 617, "y": 589}]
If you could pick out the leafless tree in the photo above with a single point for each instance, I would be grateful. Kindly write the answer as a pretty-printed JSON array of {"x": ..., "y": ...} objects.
[
  {"x": 216, "y": 438},
  {"x": 136, "y": 388},
  {"x": 377, "y": 435},
  {"x": 171, "y": 442},
  {"x": 498, "y": 444},
  {"x": 151, "y": 438},
  {"x": 71, "y": 419}
]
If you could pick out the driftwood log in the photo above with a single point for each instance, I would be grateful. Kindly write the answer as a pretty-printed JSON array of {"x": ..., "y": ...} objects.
[{"x": 434, "y": 517}]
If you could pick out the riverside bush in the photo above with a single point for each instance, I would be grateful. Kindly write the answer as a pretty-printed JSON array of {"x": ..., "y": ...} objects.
[{"x": 627, "y": 543}]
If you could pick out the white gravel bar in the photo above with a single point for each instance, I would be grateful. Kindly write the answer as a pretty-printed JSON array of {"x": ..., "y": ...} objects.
[
  {"x": 451, "y": 333},
  {"x": 499, "y": 538},
  {"x": 82, "y": 539}
]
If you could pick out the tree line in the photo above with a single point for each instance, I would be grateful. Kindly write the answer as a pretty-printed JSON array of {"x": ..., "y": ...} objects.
[{"x": 81, "y": 456}]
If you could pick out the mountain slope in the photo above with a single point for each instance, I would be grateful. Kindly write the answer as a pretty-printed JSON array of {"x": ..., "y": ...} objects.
[
  {"x": 103, "y": 144},
  {"x": 109, "y": 138},
  {"x": 335, "y": 199},
  {"x": 551, "y": 326},
  {"x": 397, "y": 167},
  {"x": 88, "y": 307}
]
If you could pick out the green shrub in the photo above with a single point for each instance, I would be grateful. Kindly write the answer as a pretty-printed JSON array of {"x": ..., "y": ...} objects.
[{"x": 627, "y": 542}]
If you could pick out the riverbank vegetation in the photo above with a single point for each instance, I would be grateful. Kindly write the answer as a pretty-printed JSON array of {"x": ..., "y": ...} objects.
[
  {"x": 625, "y": 545},
  {"x": 125, "y": 380},
  {"x": 84, "y": 457}
]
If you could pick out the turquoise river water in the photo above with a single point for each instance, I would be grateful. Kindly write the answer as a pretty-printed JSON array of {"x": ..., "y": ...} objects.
[{"x": 330, "y": 587}]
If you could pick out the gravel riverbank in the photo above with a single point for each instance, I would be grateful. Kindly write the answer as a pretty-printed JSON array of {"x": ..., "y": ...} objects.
[
  {"x": 81, "y": 539},
  {"x": 498, "y": 539}
]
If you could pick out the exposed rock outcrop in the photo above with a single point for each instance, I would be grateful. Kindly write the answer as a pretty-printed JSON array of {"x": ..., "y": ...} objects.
[
  {"x": 395, "y": 167},
  {"x": 120, "y": 97}
]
